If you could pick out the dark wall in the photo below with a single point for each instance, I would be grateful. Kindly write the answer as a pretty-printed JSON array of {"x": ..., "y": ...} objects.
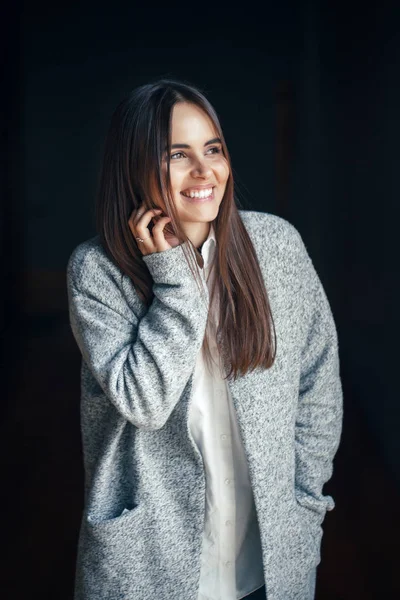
[
  {"x": 76, "y": 68},
  {"x": 360, "y": 90}
]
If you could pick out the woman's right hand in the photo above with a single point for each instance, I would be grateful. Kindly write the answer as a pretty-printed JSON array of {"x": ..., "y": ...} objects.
[{"x": 156, "y": 240}]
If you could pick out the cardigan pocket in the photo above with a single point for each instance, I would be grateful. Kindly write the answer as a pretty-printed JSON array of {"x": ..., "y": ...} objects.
[
  {"x": 125, "y": 516},
  {"x": 116, "y": 555}
]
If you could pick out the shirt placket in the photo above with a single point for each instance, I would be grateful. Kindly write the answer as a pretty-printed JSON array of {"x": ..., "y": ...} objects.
[
  {"x": 226, "y": 515},
  {"x": 222, "y": 542}
]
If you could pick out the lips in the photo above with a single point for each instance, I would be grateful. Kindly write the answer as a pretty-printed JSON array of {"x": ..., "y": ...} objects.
[
  {"x": 198, "y": 198},
  {"x": 198, "y": 192},
  {"x": 205, "y": 186}
]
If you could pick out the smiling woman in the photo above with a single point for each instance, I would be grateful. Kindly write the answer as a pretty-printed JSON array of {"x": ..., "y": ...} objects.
[
  {"x": 198, "y": 172},
  {"x": 211, "y": 400},
  {"x": 166, "y": 150}
]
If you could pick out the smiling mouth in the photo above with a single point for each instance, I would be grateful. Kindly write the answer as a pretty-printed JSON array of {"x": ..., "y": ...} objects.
[{"x": 204, "y": 193}]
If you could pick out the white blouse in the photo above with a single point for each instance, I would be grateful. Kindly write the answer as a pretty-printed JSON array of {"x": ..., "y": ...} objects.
[{"x": 231, "y": 562}]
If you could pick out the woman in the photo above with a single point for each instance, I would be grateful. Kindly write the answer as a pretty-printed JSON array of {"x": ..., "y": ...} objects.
[{"x": 211, "y": 396}]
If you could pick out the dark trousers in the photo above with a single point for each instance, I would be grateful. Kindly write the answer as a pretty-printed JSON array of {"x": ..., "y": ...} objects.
[{"x": 257, "y": 595}]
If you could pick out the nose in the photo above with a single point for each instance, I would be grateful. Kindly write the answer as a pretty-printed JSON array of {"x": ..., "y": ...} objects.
[{"x": 201, "y": 169}]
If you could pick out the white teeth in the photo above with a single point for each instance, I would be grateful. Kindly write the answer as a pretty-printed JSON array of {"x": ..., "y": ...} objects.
[{"x": 198, "y": 193}]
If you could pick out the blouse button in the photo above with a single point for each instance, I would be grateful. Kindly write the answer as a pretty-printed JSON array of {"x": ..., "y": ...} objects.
[
  {"x": 227, "y": 481},
  {"x": 223, "y": 436}
]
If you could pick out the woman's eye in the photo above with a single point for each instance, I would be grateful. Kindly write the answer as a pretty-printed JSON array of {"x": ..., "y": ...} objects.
[
  {"x": 217, "y": 150},
  {"x": 213, "y": 150}
]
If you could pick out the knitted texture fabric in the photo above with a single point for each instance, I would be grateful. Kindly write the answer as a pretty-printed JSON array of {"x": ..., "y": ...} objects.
[{"x": 141, "y": 528}]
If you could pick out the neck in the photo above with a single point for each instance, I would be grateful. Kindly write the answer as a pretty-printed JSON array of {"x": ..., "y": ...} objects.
[{"x": 197, "y": 233}]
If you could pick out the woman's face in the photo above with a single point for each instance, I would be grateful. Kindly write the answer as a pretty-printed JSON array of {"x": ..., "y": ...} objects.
[{"x": 197, "y": 167}]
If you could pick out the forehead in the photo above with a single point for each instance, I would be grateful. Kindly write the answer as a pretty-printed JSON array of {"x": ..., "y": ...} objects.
[{"x": 191, "y": 123}]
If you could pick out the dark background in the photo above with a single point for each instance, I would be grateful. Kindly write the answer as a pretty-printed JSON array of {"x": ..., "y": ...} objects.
[{"x": 308, "y": 96}]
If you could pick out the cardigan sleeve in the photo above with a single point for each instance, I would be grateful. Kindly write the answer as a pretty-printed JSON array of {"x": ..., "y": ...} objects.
[
  {"x": 320, "y": 403},
  {"x": 142, "y": 365}
]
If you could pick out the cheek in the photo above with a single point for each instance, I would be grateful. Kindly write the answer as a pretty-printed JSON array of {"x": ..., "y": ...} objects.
[
  {"x": 222, "y": 169},
  {"x": 176, "y": 181}
]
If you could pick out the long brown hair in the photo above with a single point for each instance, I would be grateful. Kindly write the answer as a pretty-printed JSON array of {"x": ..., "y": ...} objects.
[{"x": 132, "y": 174}]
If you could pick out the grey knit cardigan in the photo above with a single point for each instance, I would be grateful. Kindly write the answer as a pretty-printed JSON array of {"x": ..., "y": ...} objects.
[{"x": 141, "y": 529}]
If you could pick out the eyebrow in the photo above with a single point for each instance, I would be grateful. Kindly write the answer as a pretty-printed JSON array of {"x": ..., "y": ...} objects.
[{"x": 216, "y": 140}]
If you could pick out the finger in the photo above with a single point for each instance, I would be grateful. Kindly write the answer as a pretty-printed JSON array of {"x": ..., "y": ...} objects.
[
  {"x": 132, "y": 222},
  {"x": 141, "y": 226},
  {"x": 150, "y": 243},
  {"x": 135, "y": 214},
  {"x": 158, "y": 232},
  {"x": 138, "y": 213}
]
